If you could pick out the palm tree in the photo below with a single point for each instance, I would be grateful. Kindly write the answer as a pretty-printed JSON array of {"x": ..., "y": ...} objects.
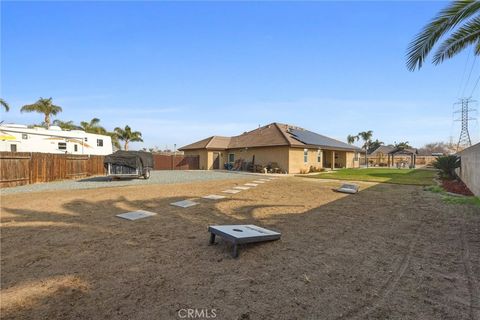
[
  {"x": 366, "y": 136},
  {"x": 127, "y": 135},
  {"x": 93, "y": 126},
  {"x": 351, "y": 139},
  {"x": 464, "y": 14},
  {"x": 5, "y": 105},
  {"x": 402, "y": 145},
  {"x": 65, "y": 125},
  {"x": 44, "y": 106}
]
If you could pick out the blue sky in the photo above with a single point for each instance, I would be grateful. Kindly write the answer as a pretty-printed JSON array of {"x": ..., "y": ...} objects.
[{"x": 182, "y": 71}]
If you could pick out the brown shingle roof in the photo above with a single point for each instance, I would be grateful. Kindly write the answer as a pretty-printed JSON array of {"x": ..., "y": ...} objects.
[{"x": 274, "y": 134}]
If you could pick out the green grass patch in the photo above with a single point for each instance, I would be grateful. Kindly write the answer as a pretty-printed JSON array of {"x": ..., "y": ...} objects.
[
  {"x": 462, "y": 200},
  {"x": 419, "y": 177}
]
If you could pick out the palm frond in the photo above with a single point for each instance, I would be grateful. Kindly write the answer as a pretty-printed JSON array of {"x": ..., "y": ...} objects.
[
  {"x": 447, "y": 19},
  {"x": 466, "y": 35},
  {"x": 5, "y": 105}
]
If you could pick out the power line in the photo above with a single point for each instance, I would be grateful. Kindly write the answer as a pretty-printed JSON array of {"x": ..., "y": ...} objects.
[
  {"x": 475, "y": 86},
  {"x": 469, "y": 75},
  {"x": 463, "y": 73}
]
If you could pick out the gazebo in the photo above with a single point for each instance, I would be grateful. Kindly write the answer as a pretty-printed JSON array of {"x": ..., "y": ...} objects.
[{"x": 403, "y": 152}]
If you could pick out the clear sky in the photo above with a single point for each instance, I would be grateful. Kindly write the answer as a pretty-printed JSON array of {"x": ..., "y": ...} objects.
[{"x": 181, "y": 71}]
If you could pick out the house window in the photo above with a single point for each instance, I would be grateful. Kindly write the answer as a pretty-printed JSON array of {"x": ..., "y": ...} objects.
[
  {"x": 231, "y": 157},
  {"x": 13, "y": 148},
  {"x": 24, "y": 136},
  {"x": 99, "y": 142},
  {"x": 75, "y": 147},
  {"x": 62, "y": 146},
  {"x": 356, "y": 156},
  {"x": 305, "y": 155},
  {"x": 319, "y": 156}
]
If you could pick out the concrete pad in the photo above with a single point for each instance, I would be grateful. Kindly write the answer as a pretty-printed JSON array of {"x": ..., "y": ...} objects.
[
  {"x": 231, "y": 191},
  {"x": 241, "y": 188},
  {"x": 184, "y": 203},
  {"x": 264, "y": 179},
  {"x": 251, "y": 184},
  {"x": 258, "y": 181},
  {"x": 213, "y": 197},
  {"x": 135, "y": 215}
]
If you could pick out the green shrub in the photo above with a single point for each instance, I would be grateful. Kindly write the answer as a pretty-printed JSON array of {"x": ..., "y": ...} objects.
[{"x": 447, "y": 165}]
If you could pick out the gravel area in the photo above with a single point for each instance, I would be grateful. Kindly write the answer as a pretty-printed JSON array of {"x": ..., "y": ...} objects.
[{"x": 157, "y": 177}]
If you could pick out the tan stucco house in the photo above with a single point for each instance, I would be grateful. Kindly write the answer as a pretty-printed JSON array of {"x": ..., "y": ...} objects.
[{"x": 292, "y": 148}]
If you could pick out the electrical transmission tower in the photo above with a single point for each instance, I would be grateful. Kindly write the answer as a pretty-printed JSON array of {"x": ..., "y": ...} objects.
[{"x": 464, "y": 110}]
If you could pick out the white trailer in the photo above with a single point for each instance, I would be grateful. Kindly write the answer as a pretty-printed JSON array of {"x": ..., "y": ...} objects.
[{"x": 20, "y": 138}]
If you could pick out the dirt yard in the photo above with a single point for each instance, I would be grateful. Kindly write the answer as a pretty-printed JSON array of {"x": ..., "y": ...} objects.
[{"x": 392, "y": 251}]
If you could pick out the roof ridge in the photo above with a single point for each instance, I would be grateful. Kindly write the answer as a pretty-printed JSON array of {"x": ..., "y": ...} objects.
[
  {"x": 284, "y": 134},
  {"x": 209, "y": 141}
]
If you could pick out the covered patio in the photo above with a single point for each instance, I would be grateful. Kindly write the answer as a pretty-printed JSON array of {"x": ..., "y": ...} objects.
[{"x": 403, "y": 155}]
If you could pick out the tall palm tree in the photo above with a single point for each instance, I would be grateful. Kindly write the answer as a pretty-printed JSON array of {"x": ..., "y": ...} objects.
[
  {"x": 44, "y": 106},
  {"x": 127, "y": 135},
  {"x": 5, "y": 105},
  {"x": 65, "y": 125},
  {"x": 366, "y": 136},
  {"x": 93, "y": 126},
  {"x": 463, "y": 17}
]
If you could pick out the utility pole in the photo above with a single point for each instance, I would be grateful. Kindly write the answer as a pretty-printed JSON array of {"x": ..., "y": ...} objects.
[{"x": 464, "y": 110}]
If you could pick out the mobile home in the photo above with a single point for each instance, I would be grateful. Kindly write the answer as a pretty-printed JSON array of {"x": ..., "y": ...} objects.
[{"x": 20, "y": 138}]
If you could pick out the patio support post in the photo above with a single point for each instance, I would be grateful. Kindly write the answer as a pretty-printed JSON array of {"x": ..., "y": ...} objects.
[{"x": 333, "y": 159}]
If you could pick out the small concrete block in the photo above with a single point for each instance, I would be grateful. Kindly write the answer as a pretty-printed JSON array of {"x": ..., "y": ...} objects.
[
  {"x": 241, "y": 188},
  {"x": 135, "y": 215},
  {"x": 184, "y": 203},
  {"x": 231, "y": 191},
  {"x": 251, "y": 184},
  {"x": 213, "y": 197}
]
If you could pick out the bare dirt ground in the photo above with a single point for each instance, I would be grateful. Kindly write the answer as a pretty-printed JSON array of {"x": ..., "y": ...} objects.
[{"x": 391, "y": 251}]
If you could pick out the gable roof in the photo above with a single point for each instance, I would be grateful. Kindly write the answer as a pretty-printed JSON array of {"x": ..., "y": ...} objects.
[
  {"x": 381, "y": 149},
  {"x": 274, "y": 134}
]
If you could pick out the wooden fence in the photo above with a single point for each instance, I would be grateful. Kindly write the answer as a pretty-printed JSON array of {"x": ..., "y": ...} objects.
[
  {"x": 19, "y": 168},
  {"x": 176, "y": 162}
]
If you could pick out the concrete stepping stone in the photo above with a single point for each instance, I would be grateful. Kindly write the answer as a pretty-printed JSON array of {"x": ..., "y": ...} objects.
[
  {"x": 232, "y": 191},
  {"x": 251, "y": 184},
  {"x": 213, "y": 197},
  {"x": 241, "y": 188},
  {"x": 259, "y": 181},
  {"x": 135, "y": 215},
  {"x": 184, "y": 203}
]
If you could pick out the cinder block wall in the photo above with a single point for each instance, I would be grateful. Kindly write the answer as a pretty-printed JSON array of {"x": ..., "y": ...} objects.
[{"x": 470, "y": 169}]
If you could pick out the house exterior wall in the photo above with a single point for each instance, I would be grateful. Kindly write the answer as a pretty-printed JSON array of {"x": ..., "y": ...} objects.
[
  {"x": 288, "y": 159},
  {"x": 297, "y": 162},
  {"x": 263, "y": 155}
]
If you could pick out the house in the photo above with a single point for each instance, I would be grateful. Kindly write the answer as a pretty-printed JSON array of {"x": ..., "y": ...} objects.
[
  {"x": 20, "y": 138},
  {"x": 291, "y": 148}
]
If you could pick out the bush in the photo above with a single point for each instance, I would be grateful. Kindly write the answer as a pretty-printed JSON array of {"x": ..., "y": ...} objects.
[{"x": 447, "y": 165}]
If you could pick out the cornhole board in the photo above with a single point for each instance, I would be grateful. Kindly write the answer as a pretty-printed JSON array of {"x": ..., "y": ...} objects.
[
  {"x": 231, "y": 191},
  {"x": 135, "y": 215},
  {"x": 241, "y": 234},
  {"x": 184, "y": 203},
  {"x": 348, "y": 188},
  {"x": 213, "y": 197}
]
